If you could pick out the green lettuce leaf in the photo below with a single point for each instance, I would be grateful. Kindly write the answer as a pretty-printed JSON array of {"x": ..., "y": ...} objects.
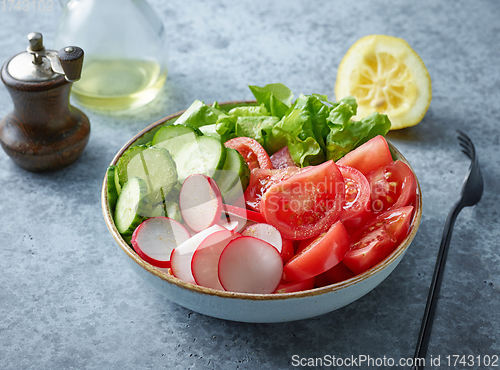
[
  {"x": 313, "y": 128},
  {"x": 300, "y": 134},
  {"x": 345, "y": 134},
  {"x": 250, "y": 110},
  {"x": 199, "y": 114},
  {"x": 277, "y": 98}
]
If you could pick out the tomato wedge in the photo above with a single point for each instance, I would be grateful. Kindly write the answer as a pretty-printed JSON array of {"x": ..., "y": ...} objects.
[
  {"x": 286, "y": 249},
  {"x": 321, "y": 255},
  {"x": 336, "y": 274},
  {"x": 306, "y": 204},
  {"x": 392, "y": 186},
  {"x": 356, "y": 210},
  {"x": 282, "y": 158},
  {"x": 298, "y": 286},
  {"x": 369, "y": 156},
  {"x": 253, "y": 153},
  {"x": 261, "y": 180},
  {"x": 378, "y": 239}
]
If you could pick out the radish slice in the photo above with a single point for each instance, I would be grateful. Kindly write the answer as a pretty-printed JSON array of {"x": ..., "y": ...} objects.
[
  {"x": 191, "y": 232},
  {"x": 180, "y": 260},
  {"x": 265, "y": 232},
  {"x": 244, "y": 213},
  {"x": 231, "y": 225},
  {"x": 200, "y": 202},
  {"x": 205, "y": 263},
  {"x": 155, "y": 239},
  {"x": 250, "y": 265}
]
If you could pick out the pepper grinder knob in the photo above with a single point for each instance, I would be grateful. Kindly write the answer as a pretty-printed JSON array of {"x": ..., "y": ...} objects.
[
  {"x": 71, "y": 59},
  {"x": 36, "y": 41}
]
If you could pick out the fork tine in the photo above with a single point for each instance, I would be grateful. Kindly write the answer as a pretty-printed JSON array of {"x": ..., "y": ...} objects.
[
  {"x": 466, "y": 150},
  {"x": 464, "y": 140},
  {"x": 467, "y": 154},
  {"x": 463, "y": 136},
  {"x": 466, "y": 143}
]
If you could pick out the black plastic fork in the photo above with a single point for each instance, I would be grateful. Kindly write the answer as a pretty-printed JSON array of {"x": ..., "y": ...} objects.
[{"x": 472, "y": 190}]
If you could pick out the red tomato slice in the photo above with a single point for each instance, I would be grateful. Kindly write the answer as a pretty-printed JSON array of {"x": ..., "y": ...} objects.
[
  {"x": 306, "y": 242},
  {"x": 368, "y": 157},
  {"x": 261, "y": 180},
  {"x": 378, "y": 239},
  {"x": 321, "y": 255},
  {"x": 392, "y": 186},
  {"x": 357, "y": 197},
  {"x": 336, "y": 274},
  {"x": 306, "y": 204},
  {"x": 298, "y": 286},
  {"x": 286, "y": 249},
  {"x": 282, "y": 158},
  {"x": 254, "y": 154}
]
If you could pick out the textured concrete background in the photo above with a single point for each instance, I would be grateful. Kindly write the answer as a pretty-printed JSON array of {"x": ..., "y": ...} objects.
[{"x": 67, "y": 298}]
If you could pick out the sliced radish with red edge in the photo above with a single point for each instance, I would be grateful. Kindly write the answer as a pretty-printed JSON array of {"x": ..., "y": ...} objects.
[
  {"x": 180, "y": 260},
  {"x": 250, "y": 265},
  {"x": 265, "y": 232},
  {"x": 155, "y": 239},
  {"x": 200, "y": 202},
  {"x": 205, "y": 262},
  {"x": 231, "y": 225}
]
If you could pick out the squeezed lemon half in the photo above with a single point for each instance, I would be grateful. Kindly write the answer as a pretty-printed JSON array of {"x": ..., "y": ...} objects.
[{"x": 386, "y": 75}]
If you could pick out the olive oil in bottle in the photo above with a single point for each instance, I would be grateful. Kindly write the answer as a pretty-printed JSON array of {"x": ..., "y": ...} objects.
[
  {"x": 125, "y": 47},
  {"x": 118, "y": 84}
]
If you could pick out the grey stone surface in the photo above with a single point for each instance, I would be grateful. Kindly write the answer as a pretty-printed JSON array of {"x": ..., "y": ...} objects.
[{"x": 69, "y": 301}]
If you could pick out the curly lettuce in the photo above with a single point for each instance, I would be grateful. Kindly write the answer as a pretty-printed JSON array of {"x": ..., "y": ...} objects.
[{"x": 313, "y": 128}]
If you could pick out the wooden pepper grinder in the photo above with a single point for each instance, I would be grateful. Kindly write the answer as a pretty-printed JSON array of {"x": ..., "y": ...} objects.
[{"x": 43, "y": 132}]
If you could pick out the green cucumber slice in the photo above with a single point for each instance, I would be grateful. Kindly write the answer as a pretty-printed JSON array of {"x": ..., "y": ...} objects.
[
  {"x": 235, "y": 170},
  {"x": 152, "y": 208},
  {"x": 173, "y": 137},
  {"x": 155, "y": 166},
  {"x": 117, "y": 181},
  {"x": 173, "y": 211},
  {"x": 112, "y": 191},
  {"x": 236, "y": 192},
  {"x": 173, "y": 196},
  {"x": 205, "y": 156},
  {"x": 130, "y": 206},
  {"x": 125, "y": 160}
]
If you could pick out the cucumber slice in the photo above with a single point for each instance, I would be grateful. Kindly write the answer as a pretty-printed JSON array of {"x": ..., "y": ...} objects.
[
  {"x": 125, "y": 160},
  {"x": 235, "y": 193},
  {"x": 204, "y": 156},
  {"x": 235, "y": 169},
  {"x": 155, "y": 166},
  {"x": 168, "y": 209},
  {"x": 111, "y": 190},
  {"x": 174, "y": 137},
  {"x": 173, "y": 196},
  {"x": 130, "y": 205},
  {"x": 117, "y": 181},
  {"x": 173, "y": 211}
]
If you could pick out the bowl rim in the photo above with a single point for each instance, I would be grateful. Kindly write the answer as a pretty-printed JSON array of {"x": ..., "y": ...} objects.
[{"x": 399, "y": 251}]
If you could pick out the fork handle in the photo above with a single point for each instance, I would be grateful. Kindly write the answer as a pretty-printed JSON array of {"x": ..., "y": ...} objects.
[{"x": 432, "y": 298}]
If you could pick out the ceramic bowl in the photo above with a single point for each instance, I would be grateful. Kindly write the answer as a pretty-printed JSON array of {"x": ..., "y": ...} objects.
[{"x": 255, "y": 308}]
